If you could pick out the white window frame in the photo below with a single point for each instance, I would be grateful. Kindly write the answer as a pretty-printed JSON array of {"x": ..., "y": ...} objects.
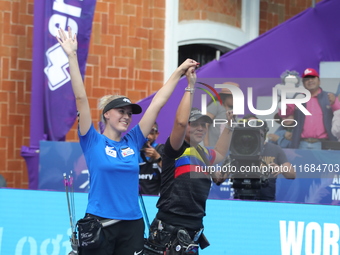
[{"x": 206, "y": 32}]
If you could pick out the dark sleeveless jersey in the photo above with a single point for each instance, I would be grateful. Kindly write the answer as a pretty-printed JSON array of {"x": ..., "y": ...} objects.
[{"x": 185, "y": 186}]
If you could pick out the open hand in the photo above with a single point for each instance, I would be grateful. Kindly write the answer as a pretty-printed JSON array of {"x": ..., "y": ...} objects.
[{"x": 67, "y": 42}]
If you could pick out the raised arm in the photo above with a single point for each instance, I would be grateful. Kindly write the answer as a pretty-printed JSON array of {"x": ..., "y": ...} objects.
[
  {"x": 221, "y": 149},
  {"x": 70, "y": 45},
  {"x": 223, "y": 142},
  {"x": 163, "y": 95},
  {"x": 206, "y": 138},
  {"x": 183, "y": 112}
]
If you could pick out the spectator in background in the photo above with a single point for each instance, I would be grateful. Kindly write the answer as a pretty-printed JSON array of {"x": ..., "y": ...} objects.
[
  {"x": 150, "y": 164},
  {"x": 311, "y": 130},
  {"x": 336, "y": 123},
  {"x": 283, "y": 134},
  {"x": 273, "y": 156},
  {"x": 218, "y": 111}
]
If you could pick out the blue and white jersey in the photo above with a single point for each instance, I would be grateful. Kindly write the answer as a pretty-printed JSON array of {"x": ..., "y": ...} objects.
[{"x": 114, "y": 170}]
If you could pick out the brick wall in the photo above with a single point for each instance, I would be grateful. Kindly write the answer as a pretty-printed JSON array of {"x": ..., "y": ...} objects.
[
  {"x": 126, "y": 54},
  {"x": 223, "y": 11},
  {"x": 16, "y": 26},
  {"x": 126, "y": 57},
  {"x": 275, "y": 12}
]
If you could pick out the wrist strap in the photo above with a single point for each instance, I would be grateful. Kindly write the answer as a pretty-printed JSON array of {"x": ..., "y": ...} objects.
[{"x": 191, "y": 90}]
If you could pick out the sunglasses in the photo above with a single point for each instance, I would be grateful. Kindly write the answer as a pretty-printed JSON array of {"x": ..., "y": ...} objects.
[{"x": 154, "y": 130}]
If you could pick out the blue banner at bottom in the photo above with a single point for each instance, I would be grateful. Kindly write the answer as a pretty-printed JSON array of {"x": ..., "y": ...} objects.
[
  {"x": 37, "y": 223},
  {"x": 317, "y": 171},
  {"x": 317, "y": 179}
]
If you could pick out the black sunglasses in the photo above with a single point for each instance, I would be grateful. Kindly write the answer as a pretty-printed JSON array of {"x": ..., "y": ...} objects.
[{"x": 154, "y": 130}]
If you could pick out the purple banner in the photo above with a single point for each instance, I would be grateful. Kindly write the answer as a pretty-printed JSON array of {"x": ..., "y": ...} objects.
[
  {"x": 60, "y": 108},
  {"x": 53, "y": 109}
]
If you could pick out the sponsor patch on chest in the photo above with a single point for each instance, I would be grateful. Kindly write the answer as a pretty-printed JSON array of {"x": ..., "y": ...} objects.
[
  {"x": 111, "y": 151},
  {"x": 127, "y": 152}
]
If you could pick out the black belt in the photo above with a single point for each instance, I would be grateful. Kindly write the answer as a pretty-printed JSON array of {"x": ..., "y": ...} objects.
[
  {"x": 161, "y": 225},
  {"x": 312, "y": 140},
  {"x": 103, "y": 221},
  {"x": 172, "y": 229},
  {"x": 195, "y": 235}
]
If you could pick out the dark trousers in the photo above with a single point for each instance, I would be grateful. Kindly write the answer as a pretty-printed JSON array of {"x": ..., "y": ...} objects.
[{"x": 123, "y": 238}]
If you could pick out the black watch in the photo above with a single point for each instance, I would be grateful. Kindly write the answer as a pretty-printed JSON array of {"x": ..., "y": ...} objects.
[{"x": 158, "y": 160}]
